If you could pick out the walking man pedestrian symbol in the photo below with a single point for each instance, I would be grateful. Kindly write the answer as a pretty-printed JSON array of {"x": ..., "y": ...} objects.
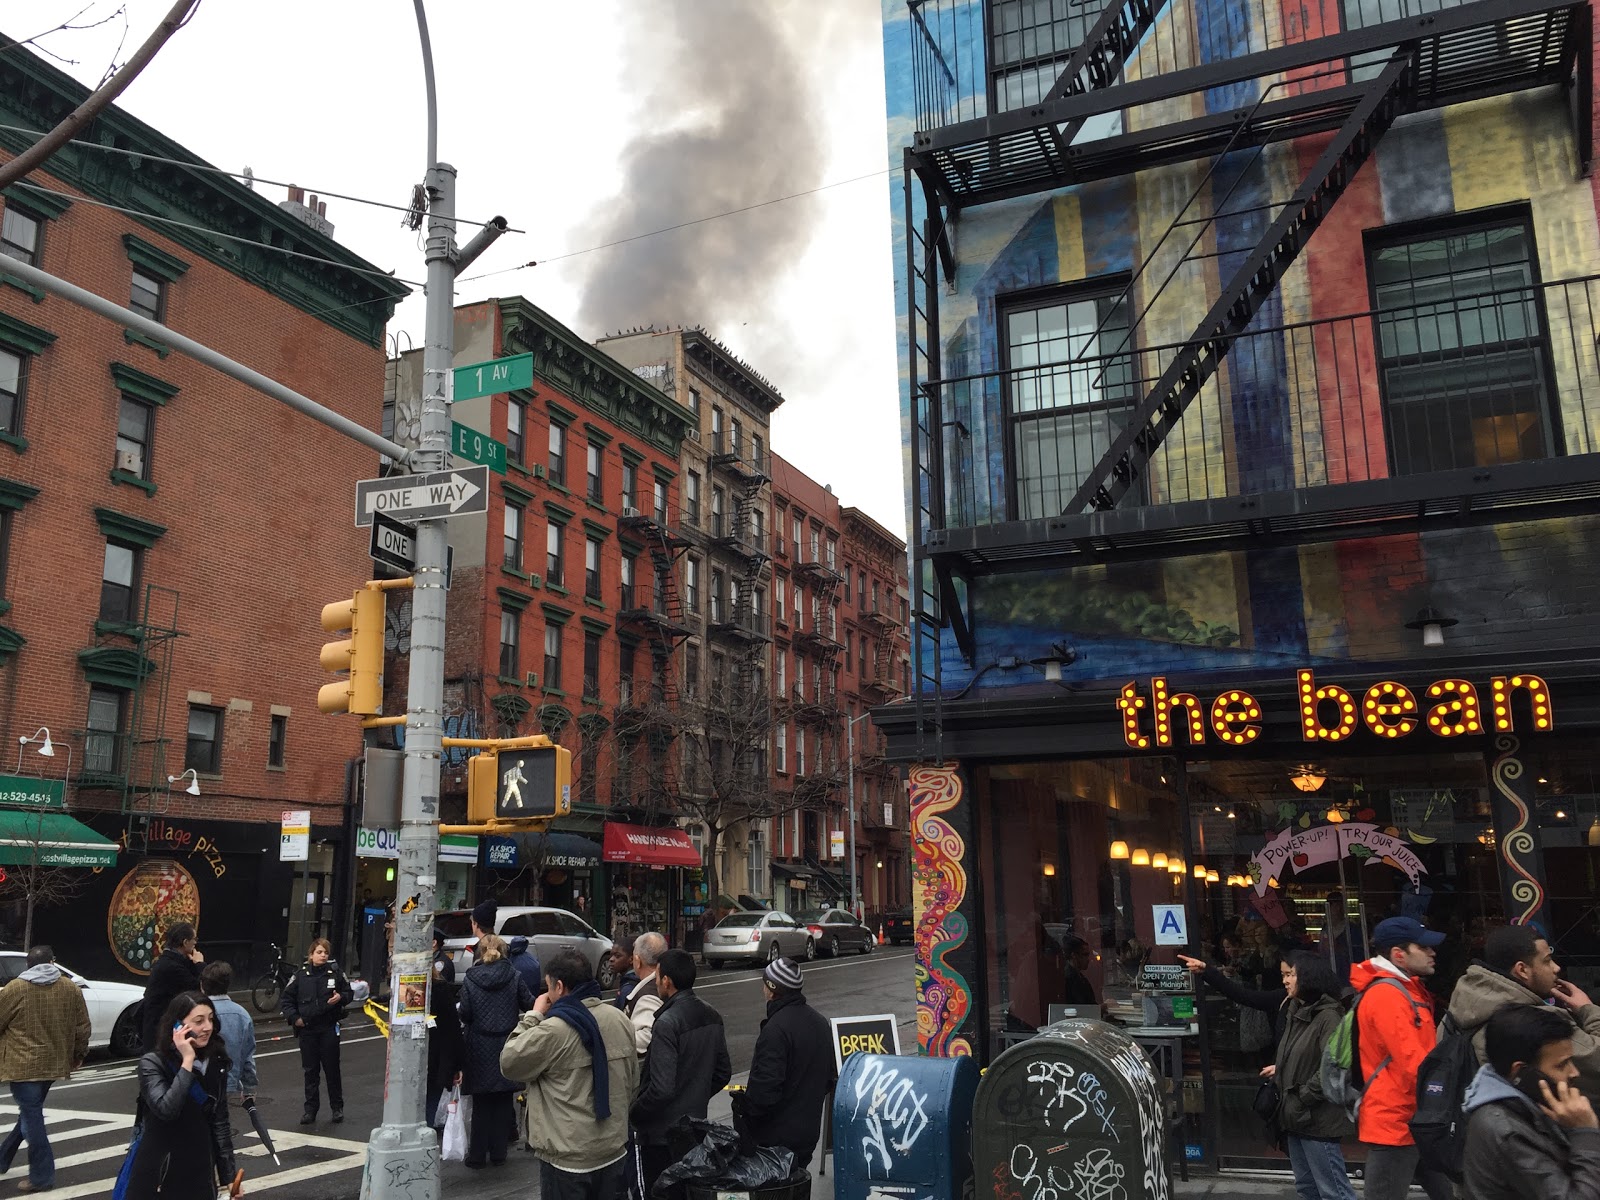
[{"x": 511, "y": 781}]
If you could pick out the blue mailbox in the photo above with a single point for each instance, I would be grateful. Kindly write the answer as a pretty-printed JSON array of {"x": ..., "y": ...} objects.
[{"x": 902, "y": 1128}]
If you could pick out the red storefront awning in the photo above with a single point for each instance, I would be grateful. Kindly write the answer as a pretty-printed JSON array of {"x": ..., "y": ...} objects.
[{"x": 666, "y": 847}]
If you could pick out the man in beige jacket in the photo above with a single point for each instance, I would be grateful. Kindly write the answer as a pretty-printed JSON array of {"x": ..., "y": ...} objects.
[
  {"x": 44, "y": 1035},
  {"x": 577, "y": 1055}
]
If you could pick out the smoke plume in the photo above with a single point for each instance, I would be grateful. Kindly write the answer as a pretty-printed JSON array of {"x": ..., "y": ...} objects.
[{"x": 731, "y": 120}]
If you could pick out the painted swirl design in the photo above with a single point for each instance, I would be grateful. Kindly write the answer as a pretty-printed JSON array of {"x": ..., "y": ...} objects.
[
  {"x": 943, "y": 996},
  {"x": 1517, "y": 846}
]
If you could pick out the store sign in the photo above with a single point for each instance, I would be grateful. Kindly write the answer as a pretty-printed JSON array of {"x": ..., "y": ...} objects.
[
  {"x": 1302, "y": 849},
  {"x": 294, "y": 837},
  {"x": 1172, "y": 925},
  {"x": 836, "y": 844},
  {"x": 385, "y": 843},
  {"x": 1331, "y": 713},
  {"x": 26, "y": 791},
  {"x": 500, "y": 852},
  {"x": 878, "y": 1034}
]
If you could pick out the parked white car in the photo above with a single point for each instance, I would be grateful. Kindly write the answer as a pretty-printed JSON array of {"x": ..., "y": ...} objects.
[
  {"x": 548, "y": 929},
  {"x": 113, "y": 1007}
]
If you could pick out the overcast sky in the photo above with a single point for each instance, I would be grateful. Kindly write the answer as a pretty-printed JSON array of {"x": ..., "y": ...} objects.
[{"x": 582, "y": 123}]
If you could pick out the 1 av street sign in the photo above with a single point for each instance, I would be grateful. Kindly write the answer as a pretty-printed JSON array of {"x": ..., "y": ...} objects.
[
  {"x": 466, "y": 442},
  {"x": 497, "y": 375},
  {"x": 424, "y": 497},
  {"x": 395, "y": 544}
]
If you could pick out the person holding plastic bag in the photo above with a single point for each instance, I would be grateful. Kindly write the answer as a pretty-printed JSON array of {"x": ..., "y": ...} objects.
[{"x": 184, "y": 1148}]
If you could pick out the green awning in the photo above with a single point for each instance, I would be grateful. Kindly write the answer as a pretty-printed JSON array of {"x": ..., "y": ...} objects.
[{"x": 51, "y": 839}]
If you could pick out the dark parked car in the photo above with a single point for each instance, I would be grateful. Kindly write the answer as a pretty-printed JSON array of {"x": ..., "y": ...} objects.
[
  {"x": 836, "y": 931},
  {"x": 898, "y": 927}
]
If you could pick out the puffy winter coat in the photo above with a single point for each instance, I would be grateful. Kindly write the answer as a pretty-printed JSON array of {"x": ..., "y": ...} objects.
[
  {"x": 1395, "y": 1036},
  {"x": 1482, "y": 992},
  {"x": 1302, "y": 1108},
  {"x": 493, "y": 996},
  {"x": 686, "y": 1065},
  {"x": 305, "y": 998},
  {"x": 791, "y": 1073},
  {"x": 1515, "y": 1152}
]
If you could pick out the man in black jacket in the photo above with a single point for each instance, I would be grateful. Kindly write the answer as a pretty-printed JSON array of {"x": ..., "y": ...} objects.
[
  {"x": 686, "y": 1065},
  {"x": 791, "y": 1070},
  {"x": 176, "y": 970}
]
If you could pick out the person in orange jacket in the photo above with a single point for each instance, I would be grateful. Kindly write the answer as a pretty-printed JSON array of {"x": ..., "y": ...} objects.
[{"x": 1395, "y": 1029}]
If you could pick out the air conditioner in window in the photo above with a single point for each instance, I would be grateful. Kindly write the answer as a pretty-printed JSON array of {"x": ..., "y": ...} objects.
[
  {"x": 694, "y": 435},
  {"x": 535, "y": 579},
  {"x": 539, "y": 470},
  {"x": 128, "y": 460},
  {"x": 533, "y": 679},
  {"x": 630, "y": 511}
]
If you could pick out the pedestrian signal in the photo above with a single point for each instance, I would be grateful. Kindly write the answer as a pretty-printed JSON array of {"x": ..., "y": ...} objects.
[{"x": 533, "y": 784}]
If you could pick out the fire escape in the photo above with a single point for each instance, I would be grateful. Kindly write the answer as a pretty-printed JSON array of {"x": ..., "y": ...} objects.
[
  {"x": 1317, "y": 71},
  {"x": 648, "y": 711},
  {"x": 880, "y": 683}
]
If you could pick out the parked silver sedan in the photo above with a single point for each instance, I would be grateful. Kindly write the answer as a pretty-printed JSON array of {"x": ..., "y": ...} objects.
[{"x": 758, "y": 937}]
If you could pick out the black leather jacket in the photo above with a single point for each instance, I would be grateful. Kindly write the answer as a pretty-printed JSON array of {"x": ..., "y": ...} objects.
[
  {"x": 163, "y": 1095},
  {"x": 686, "y": 1065}
]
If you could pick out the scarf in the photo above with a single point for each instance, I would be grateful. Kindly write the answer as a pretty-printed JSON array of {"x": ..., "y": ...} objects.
[{"x": 571, "y": 1010}]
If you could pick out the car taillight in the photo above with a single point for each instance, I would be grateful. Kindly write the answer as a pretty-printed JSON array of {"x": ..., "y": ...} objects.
[
  {"x": 755, "y": 935},
  {"x": 816, "y": 930}
]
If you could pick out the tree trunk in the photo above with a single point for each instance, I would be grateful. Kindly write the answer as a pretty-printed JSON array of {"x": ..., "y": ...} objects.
[
  {"x": 713, "y": 879},
  {"x": 27, "y": 922}
]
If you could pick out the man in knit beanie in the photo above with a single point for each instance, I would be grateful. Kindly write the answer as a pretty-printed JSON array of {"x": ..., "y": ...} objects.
[{"x": 791, "y": 1070}]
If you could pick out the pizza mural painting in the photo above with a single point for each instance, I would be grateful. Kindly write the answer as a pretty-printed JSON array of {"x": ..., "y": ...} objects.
[{"x": 152, "y": 897}]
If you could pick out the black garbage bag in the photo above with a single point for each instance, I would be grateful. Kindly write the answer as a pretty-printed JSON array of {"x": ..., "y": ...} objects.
[
  {"x": 705, "y": 1160},
  {"x": 765, "y": 1167}
]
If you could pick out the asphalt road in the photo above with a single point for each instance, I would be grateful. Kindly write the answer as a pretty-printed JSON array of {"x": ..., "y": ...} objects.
[{"x": 90, "y": 1116}]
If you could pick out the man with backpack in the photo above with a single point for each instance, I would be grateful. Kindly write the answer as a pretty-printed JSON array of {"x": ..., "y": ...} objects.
[
  {"x": 1518, "y": 969},
  {"x": 1531, "y": 1134},
  {"x": 1394, "y": 1031}
]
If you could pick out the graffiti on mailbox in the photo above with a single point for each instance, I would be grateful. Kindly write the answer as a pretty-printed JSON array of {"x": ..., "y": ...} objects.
[
  {"x": 897, "y": 1114},
  {"x": 1099, "y": 1176}
]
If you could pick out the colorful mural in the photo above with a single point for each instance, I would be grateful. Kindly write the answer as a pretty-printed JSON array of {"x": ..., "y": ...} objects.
[
  {"x": 155, "y": 895},
  {"x": 1512, "y": 798},
  {"x": 939, "y": 889}
]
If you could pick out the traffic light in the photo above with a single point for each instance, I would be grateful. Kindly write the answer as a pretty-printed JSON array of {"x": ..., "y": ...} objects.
[
  {"x": 532, "y": 784},
  {"x": 361, "y": 654}
]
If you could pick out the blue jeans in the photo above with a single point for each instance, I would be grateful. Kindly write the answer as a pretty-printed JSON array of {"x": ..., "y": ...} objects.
[
  {"x": 30, "y": 1129},
  {"x": 1319, "y": 1172}
]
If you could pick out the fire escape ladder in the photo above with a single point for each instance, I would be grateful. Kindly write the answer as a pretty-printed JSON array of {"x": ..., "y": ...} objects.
[
  {"x": 1099, "y": 61},
  {"x": 1122, "y": 467},
  {"x": 145, "y": 790}
]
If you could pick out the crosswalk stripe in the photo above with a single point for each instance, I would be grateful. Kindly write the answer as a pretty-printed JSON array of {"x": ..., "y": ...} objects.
[{"x": 350, "y": 1162}]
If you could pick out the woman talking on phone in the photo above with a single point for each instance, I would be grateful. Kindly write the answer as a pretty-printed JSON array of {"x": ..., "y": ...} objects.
[{"x": 185, "y": 1148}]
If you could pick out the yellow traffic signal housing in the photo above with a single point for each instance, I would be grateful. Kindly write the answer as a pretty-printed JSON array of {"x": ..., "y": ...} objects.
[
  {"x": 532, "y": 785},
  {"x": 361, "y": 654}
]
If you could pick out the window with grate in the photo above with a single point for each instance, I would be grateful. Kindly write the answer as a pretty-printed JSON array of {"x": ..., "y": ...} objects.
[{"x": 204, "y": 749}]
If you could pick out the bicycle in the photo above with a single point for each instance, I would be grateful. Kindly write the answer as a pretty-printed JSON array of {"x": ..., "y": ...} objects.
[{"x": 269, "y": 987}]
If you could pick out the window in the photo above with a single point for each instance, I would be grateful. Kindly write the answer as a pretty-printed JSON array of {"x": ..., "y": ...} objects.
[
  {"x": 691, "y": 498},
  {"x": 148, "y": 296},
  {"x": 21, "y": 235},
  {"x": 833, "y": 554},
  {"x": 510, "y": 644},
  {"x": 783, "y": 673},
  {"x": 694, "y": 401},
  {"x": 716, "y": 430},
  {"x": 625, "y": 667},
  {"x": 719, "y": 593},
  {"x": 849, "y": 653},
  {"x": 627, "y": 581},
  {"x": 799, "y": 532},
  {"x": 799, "y": 606},
  {"x": 833, "y": 621},
  {"x": 847, "y": 573},
  {"x": 758, "y": 529},
  {"x": 558, "y": 453},
  {"x": 516, "y": 419},
  {"x": 758, "y": 862},
  {"x": 13, "y": 384},
  {"x": 691, "y": 584},
  {"x": 691, "y": 672},
  {"x": 102, "y": 740},
  {"x": 861, "y": 591},
  {"x": 591, "y": 568},
  {"x": 591, "y": 665},
  {"x": 630, "y": 485},
  {"x": 118, "y": 580},
  {"x": 661, "y": 501},
  {"x": 1030, "y": 41},
  {"x": 552, "y": 553},
  {"x": 134, "y": 421},
  {"x": 779, "y": 610},
  {"x": 783, "y": 749},
  {"x": 756, "y": 449},
  {"x": 800, "y": 676},
  {"x": 592, "y": 472},
  {"x": 204, "y": 751},
  {"x": 816, "y": 544},
  {"x": 799, "y": 750},
  {"x": 1464, "y": 357},
  {"x": 719, "y": 504},
  {"x": 719, "y": 677},
  {"x": 737, "y": 439},
  {"x": 513, "y": 537},
  {"x": 1070, "y": 393},
  {"x": 277, "y": 739},
  {"x": 552, "y": 656}
]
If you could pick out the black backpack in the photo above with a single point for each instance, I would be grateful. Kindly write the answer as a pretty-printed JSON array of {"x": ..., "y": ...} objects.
[{"x": 1440, "y": 1125}]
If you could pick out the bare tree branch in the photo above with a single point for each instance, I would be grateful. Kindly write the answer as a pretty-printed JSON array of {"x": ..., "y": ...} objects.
[{"x": 41, "y": 150}]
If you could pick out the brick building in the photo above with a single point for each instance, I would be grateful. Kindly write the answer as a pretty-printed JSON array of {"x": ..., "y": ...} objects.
[{"x": 161, "y": 568}]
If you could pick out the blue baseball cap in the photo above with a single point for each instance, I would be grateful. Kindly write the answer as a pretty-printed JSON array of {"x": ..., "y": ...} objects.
[{"x": 1403, "y": 931}]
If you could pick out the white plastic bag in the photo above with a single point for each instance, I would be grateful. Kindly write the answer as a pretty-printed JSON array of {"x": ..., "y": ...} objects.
[
  {"x": 447, "y": 1101},
  {"x": 455, "y": 1126}
]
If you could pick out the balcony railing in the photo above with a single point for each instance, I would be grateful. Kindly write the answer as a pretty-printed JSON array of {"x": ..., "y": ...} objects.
[
  {"x": 728, "y": 529},
  {"x": 1470, "y": 381}
]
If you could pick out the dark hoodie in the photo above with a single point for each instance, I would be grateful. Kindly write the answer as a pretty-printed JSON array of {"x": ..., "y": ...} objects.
[
  {"x": 526, "y": 963},
  {"x": 493, "y": 995},
  {"x": 1515, "y": 1152},
  {"x": 1483, "y": 992}
]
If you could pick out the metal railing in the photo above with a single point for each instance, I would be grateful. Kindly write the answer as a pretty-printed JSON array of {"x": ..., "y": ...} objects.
[{"x": 1468, "y": 380}]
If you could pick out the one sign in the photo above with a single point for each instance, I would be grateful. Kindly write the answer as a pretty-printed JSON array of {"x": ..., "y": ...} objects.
[
  {"x": 394, "y": 544},
  {"x": 294, "y": 842},
  {"x": 424, "y": 497},
  {"x": 864, "y": 1035},
  {"x": 1164, "y": 977},
  {"x": 500, "y": 852},
  {"x": 1172, "y": 925},
  {"x": 1301, "y": 849},
  {"x": 466, "y": 442},
  {"x": 24, "y": 791},
  {"x": 888, "y": 813},
  {"x": 497, "y": 375},
  {"x": 836, "y": 843},
  {"x": 385, "y": 843}
]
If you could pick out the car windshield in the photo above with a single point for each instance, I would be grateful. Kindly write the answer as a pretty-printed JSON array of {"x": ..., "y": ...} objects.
[
  {"x": 740, "y": 921},
  {"x": 811, "y": 916},
  {"x": 453, "y": 924}
]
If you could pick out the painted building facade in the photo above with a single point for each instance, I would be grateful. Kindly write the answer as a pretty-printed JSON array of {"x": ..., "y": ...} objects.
[
  {"x": 161, "y": 567},
  {"x": 1251, "y": 397}
]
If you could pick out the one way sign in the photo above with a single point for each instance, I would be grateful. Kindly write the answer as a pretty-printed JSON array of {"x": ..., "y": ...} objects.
[{"x": 424, "y": 497}]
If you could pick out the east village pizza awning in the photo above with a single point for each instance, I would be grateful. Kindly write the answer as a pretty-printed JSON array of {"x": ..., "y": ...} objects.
[{"x": 51, "y": 839}]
